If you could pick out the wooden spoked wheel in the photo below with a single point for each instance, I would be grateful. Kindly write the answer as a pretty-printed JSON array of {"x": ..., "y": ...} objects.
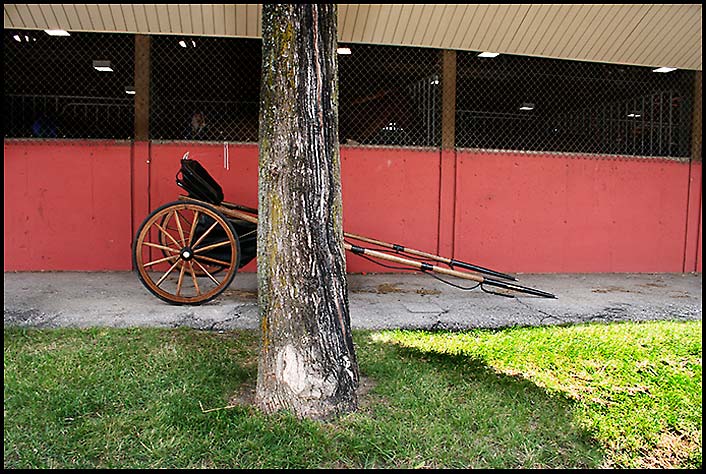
[
  {"x": 169, "y": 223},
  {"x": 177, "y": 263}
]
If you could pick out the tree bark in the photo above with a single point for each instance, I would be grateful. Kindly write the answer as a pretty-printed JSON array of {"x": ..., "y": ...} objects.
[{"x": 307, "y": 361}]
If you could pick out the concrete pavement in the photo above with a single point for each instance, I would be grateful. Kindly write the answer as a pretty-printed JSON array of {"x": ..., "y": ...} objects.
[{"x": 118, "y": 299}]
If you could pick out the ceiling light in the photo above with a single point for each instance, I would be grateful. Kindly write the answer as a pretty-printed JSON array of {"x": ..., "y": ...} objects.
[
  {"x": 193, "y": 43},
  {"x": 634, "y": 115},
  {"x": 526, "y": 106},
  {"x": 57, "y": 32},
  {"x": 182, "y": 43},
  {"x": 18, "y": 38},
  {"x": 664, "y": 69},
  {"x": 343, "y": 50},
  {"x": 488, "y": 55},
  {"x": 130, "y": 90},
  {"x": 103, "y": 66}
]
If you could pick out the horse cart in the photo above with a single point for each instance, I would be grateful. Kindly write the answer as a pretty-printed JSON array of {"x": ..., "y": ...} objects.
[{"x": 188, "y": 251}]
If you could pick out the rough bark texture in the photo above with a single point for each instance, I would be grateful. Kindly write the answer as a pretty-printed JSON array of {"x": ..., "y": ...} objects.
[{"x": 307, "y": 362}]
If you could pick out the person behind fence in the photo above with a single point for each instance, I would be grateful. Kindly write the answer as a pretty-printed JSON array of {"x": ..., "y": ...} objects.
[
  {"x": 197, "y": 128},
  {"x": 44, "y": 127}
]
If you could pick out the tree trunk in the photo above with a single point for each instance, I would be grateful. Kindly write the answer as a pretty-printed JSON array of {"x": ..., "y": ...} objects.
[{"x": 307, "y": 361}]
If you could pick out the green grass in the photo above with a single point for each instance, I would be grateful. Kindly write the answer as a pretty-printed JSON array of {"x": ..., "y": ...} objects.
[{"x": 617, "y": 395}]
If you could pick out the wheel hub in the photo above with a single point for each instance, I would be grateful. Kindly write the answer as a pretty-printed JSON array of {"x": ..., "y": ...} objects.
[{"x": 186, "y": 254}]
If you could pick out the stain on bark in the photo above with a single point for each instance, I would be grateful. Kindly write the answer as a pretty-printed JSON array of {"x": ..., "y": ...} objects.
[{"x": 307, "y": 362}]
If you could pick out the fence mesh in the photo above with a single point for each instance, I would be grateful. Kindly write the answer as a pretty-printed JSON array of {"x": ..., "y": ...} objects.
[
  {"x": 536, "y": 104},
  {"x": 207, "y": 89},
  {"x": 52, "y": 90},
  {"x": 212, "y": 82},
  {"x": 390, "y": 96}
]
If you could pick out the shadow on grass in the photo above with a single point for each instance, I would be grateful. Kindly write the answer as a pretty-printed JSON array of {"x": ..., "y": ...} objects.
[
  {"x": 462, "y": 413},
  {"x": 132, "y": 399}
]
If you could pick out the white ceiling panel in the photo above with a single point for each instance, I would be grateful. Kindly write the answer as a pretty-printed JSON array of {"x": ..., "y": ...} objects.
[{"x": 638, "y": 34}]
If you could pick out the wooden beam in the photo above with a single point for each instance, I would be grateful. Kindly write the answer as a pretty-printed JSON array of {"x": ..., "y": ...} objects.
[
  {"x": 696, "y": 133},
  {"x": 448, "y": 100},
  {"x": 142, "y": 87}
]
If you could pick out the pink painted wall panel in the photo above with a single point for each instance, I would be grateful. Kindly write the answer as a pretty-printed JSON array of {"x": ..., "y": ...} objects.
[
  {"x": 75, "y": 205},
  {"x": 696, "y": 208},
  {"x": 541, "y": 213},
  {"x": 390, "y": 195},
  {"x": 699, "y": 253},
  {"x": 237, "y": 176},
  {"x": 67, "y": 206}
]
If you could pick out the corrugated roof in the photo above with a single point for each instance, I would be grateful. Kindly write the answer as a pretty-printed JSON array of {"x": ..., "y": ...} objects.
[{"x": 637, "y": 34}]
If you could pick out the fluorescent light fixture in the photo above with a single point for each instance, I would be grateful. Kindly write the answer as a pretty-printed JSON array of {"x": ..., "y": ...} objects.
[
  {"x": 130, "y": 90},
  {"x": 488, "y": 55},
  {"x": 526, "y": 106},
  {"x": 103, "y": 66},
  {"x": 57, "y": 32},
  {"x": 634, "y": 115},
  {"x": 393, "y": 126},
  {"x": 664, "y": 69},
  {"x": 343, "y": 50}
]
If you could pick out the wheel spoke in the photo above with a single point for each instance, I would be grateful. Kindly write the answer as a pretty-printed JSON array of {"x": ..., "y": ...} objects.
[
  {"x": 168, "y": 272},
  {"x": 193, "y": 277},
  {"x": 181, "y": 279},
  {"x": 212, "y": 246},
  {"x": 205, "y": 234},
  {"x": 150, "y": 244},
  {"x": 155, "y": 262},
  {"x": 209, "y": 259},
  {"x": 207, "y": 274},
  {"x": 167, "y": 234},
  {"x": 181, "y": 231},
  {"x": 193, "y": 227}
]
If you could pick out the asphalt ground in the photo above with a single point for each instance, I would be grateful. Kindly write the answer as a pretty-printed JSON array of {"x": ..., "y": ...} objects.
[{"x": 377, "y": 301}]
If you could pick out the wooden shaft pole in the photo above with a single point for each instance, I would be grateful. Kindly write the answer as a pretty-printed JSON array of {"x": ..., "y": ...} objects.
[
  {"x": 414, "y": 263},
  {"x": 418, "y": 253}
]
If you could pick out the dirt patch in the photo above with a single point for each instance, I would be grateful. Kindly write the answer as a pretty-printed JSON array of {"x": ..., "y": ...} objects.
[
  {"x": 242, "y": 294},
  {"x": 424, "y": 292},
  {"x": 245, "y": 396},
  {"x": 385, "y": 288},
  {"x": 613, "y": 289},
  {"x": 671, "y": 451}
]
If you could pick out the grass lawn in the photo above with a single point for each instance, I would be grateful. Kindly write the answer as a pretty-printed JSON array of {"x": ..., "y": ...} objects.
[{"x": 585, "y": 396}]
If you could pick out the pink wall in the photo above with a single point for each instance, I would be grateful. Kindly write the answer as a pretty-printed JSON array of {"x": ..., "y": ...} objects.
[
  {"x": 76, "y": 205},
  {"x": 390, "y": 195},
  {"x": 67, "y": 206},
  {"x": 543, "y": 213}
]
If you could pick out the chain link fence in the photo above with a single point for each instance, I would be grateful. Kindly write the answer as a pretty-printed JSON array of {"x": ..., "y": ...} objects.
[
  {"x": 52, "y": 88},
  {"x": 536, "y": 104},
  {"x": 207, "y": 89},
  {"x": 389, "y": 96}
]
